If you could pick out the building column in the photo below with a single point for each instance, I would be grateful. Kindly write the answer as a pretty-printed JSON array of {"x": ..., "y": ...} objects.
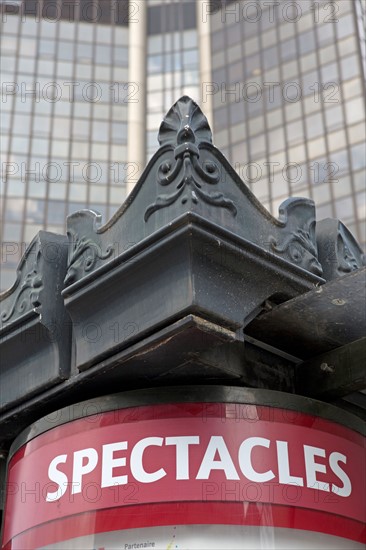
[
  {"x": 204, "y": 46},
  {"x": 136, "y": 145}
]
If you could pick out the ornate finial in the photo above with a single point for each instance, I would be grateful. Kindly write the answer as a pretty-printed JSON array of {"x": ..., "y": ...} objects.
[
  {"x": 185, "y": 129},
  {"x": 184, "y": 123}
]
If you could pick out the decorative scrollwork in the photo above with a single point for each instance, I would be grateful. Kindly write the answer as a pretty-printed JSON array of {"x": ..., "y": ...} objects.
[
  {"x": 347, "y": 260},
  {"x": 85, "y": 253},
  {"x": 298, "y": 248},
  {"x": 28, "y": 295},
  {"x": 184, "y": 128},
  {"x": 338, "y": 250}
]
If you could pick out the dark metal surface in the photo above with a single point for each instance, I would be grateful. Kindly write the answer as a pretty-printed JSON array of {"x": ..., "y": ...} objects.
[
  {"x": 35, "y": 329},
  {"x": 318, "y": 321},
  {"x": 188, "y": 174},
  {"x": 336, "y": 373},
  {"x": 192, "y": 280},
  {"x": 194, "y": 268},
  {"x": 354, "y": 403},
  {"x": 188, "y": 394},
  {"x": 338, "y": 251}
]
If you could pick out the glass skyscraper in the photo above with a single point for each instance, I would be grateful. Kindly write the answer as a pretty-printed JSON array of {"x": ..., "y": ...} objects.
[
  {"x": 172, "y": 62},
  {"x": 289, "y": 101},
  {"x": 86, "y": 83},
  {"x": 63, "y": 125}
]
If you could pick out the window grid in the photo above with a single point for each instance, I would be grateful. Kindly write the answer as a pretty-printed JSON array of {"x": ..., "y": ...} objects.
[
  {"x": 43, "y": 132},
  {"x": 314, "y": 55}
]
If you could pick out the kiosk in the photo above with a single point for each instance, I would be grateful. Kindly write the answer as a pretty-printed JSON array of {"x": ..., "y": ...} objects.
[{"x": 188, "y": 375}]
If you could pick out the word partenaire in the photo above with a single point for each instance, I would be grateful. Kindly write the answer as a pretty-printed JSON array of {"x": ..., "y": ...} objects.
[{"x": 119, "y": 463}]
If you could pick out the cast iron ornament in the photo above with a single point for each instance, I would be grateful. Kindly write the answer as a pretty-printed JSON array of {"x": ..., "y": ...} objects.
[
  {"x": 176, "y": 185},
  {"x": 26, "y": 291},
  {"x": 84, "y": 255},
  {"x": 184, "y": 129},
  {"x": 297, "y": 243},
  {"x": 28, "y": 294},
  {"x": 339, "y": 252}
]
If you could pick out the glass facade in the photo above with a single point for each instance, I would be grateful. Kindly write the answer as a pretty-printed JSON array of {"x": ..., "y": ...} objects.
[
  {"x": 287, "y": 90},
  {"x": 63, "y": 117},
  {"x": 288, "y": 78},
  {"x": 172, "y": 61}
]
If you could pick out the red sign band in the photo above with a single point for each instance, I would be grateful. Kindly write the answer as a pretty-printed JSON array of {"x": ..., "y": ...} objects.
[{"x": 207, "y": 454}]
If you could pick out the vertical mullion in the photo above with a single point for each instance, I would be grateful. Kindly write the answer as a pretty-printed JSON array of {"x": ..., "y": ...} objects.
[
  {"x": 52, "y": 115},
  {"x": 32, "y": 133}
]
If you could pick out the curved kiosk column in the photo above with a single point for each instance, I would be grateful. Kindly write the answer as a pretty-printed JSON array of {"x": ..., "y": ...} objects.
[{"x": 202, "y": 467}]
